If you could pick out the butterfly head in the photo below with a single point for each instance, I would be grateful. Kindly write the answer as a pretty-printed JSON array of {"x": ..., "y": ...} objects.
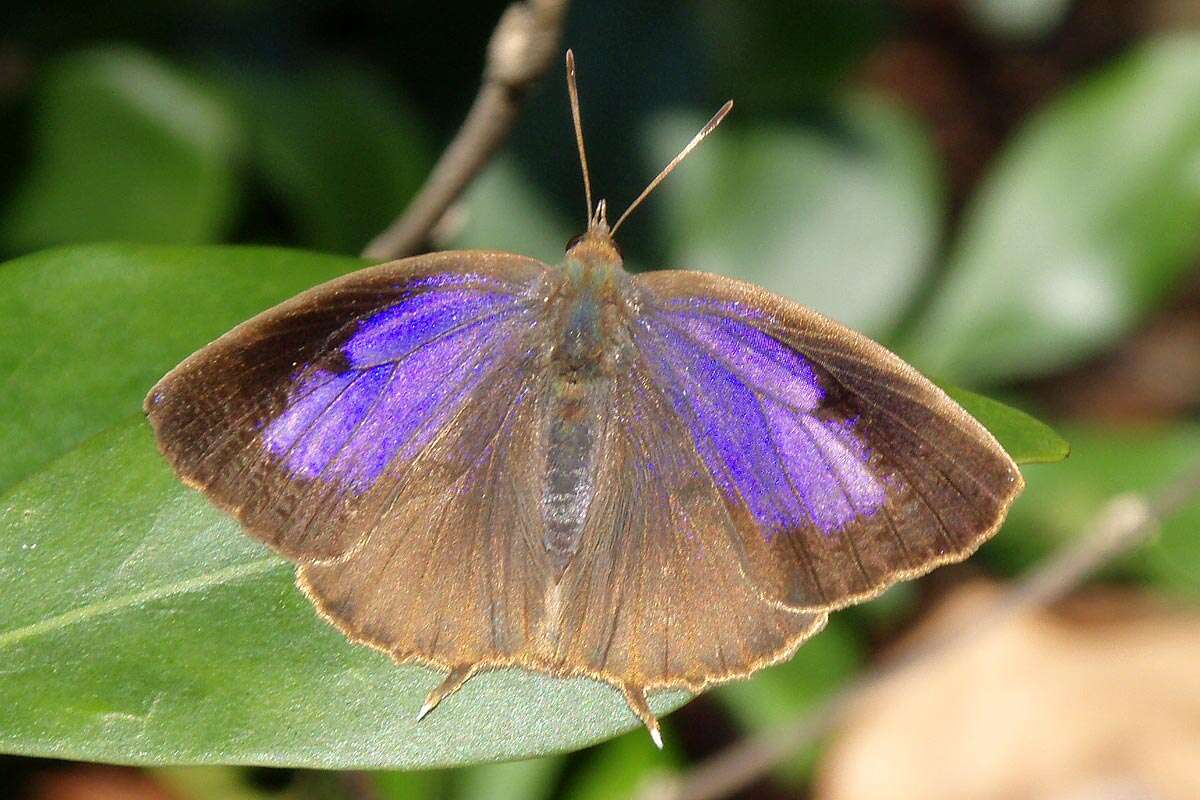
[{"x": 596, "y": 246}]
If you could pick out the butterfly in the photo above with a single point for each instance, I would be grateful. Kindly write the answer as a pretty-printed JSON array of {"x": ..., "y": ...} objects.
[{"x": 662, "y": 480}]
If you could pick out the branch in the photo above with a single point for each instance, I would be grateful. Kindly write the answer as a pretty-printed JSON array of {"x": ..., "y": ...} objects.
[
  {"x": 1123, "y": 523},
  {"x": 521, "y": 49}
]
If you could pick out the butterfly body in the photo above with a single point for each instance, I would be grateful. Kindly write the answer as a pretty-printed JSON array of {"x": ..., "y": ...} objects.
[{"x": 588, "y": 315}]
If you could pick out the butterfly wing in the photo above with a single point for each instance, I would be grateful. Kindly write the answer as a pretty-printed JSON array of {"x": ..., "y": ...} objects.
[
  {"x": 290, "y": 420},
  {"x": 451, "y": 570},
  {"x": 844, "y": 469},
  {"x": 656, "y": 595}
]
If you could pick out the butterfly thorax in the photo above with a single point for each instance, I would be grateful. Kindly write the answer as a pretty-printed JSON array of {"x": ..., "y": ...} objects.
[
  {"x": 590, "y": 316},
  {"x": 590, "y": 308}
]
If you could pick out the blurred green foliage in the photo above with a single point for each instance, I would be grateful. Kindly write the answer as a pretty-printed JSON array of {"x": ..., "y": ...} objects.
[
  {"x": 1105, "y": 463},
  {"x": 779, "y": 693},
  {"x": 835, "y": 182},
  {"x": 798, "y": 210},
  {"x": 1086, "y": 222},
  {"x": 335, "y": 146},
  {"x": 127, "y": 147},
  {"x": 1018, "y": 19}
]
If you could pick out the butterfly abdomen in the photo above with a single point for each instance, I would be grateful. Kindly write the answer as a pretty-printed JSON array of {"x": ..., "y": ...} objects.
[{"x": 572, "y": 434}]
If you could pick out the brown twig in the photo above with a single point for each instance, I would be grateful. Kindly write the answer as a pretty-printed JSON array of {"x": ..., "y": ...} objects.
[
  {"x": 1125, "y": 522},
  {"x": 521, "y": 49}
]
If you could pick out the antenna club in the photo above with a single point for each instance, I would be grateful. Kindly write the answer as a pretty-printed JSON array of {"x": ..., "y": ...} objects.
[
  {"x": 669, "y": 168},
  {"x": 573, "y": 94}
]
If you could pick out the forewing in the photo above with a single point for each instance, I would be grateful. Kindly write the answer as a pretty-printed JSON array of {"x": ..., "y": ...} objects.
[
  {"x": 843, "y": 468},
  {"x": 299, "y": 421},
  {"x": 455, "y": 574}
]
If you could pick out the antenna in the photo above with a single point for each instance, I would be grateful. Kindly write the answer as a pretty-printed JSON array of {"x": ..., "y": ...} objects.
[
  {"x": 573, "y": 91},
  {"x": 697, "y": 139}
]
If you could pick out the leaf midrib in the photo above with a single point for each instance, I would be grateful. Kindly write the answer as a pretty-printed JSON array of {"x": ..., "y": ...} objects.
[{"x": 119, "y": 603}]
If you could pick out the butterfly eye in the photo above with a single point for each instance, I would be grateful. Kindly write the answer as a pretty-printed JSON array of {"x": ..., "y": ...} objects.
[{"x": 574, "y": 240}]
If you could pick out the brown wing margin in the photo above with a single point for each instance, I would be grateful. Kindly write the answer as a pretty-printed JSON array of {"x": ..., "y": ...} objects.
[{"x": 948, "y": 482}]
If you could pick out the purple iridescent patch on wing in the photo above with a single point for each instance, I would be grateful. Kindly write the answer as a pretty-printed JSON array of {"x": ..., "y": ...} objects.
[
  {"x": 410, "y": 367},
  {"x": 389, "y": 335},
  {"x": 749, "y": 402}
]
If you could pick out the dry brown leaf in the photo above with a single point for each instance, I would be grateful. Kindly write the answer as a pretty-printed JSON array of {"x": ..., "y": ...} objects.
[{"x": 1099, "y": 700}]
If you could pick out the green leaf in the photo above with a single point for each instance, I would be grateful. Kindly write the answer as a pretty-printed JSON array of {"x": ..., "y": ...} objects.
[
  {"x": 340, "y": 149},
  {"x": 533, "y": 779},
  {"x": 1026, "y": 440},
  {"x": 622, "y": 767},
  {"x": 781, "y": 693},
  {"x": 141, "y": 626},
  {"x": 845, "y": 224},
  {"x": 1088, "y": 220},
  {"x": 125, "y": 147},
  {"x": 1058, "y": 503},
  {"x": 86, "y": 331},
  {"x": 410, "y": 785}
]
